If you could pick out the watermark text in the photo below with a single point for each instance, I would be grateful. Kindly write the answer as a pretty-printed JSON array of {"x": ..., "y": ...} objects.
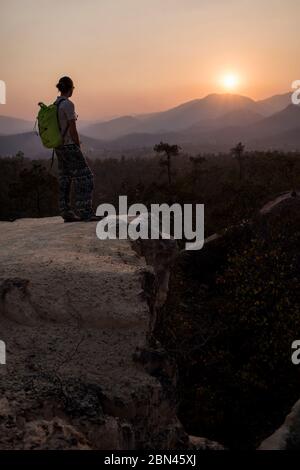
[
  {"x": 2, "y": 353},
  {"x": 181, "y": 222},
  {"x": 2, "y": 92}
]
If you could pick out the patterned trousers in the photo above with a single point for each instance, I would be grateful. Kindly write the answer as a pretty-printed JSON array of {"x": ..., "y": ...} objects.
[{"x": 72, "y": 166}]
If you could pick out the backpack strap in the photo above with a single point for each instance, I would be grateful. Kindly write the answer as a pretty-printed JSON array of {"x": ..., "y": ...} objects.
[
  {"x": 66, "y": 130},
  {"x": 62, "y": 134},
  {"x": 52, "y": 158}
]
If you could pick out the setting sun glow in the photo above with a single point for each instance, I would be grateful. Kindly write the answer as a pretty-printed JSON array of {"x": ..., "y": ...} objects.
[{"x": 230, "y": 81}]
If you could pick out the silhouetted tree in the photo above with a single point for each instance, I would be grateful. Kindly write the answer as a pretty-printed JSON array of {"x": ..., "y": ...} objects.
[
  {"x": 169, "y": 151},
  {"x": 23, "y": 193},
  {"x": 238, "y": 153}
]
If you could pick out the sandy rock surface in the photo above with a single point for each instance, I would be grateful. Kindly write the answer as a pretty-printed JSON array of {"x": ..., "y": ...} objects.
[{"x": 72, "y": 315}]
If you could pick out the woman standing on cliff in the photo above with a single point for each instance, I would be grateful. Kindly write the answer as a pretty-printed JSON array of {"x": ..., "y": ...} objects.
[{"x": 72, "y": 165}]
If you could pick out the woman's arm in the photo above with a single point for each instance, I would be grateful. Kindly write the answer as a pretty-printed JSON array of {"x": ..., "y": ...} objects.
[{"x": 73, "y": 132}]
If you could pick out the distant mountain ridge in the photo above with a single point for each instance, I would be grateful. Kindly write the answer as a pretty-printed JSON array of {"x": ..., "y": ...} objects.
[
  {"x": 274, "y": 104},
  {"x": 213, "y": 123},
  {"x": 281, "y": 131},
  {"x": 30, "y": 144},
  {"x": 110, "y": 129},
  {"x": 195, "y": 112},
  {"x": 11, "y": 125}
]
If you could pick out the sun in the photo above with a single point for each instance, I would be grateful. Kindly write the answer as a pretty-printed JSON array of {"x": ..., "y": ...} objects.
[{"x": 230, "y": 81}]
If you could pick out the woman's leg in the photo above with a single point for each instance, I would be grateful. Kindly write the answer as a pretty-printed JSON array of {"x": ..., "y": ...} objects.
[
  {"x": 84, "y": 185},
  {"x": 83, "y": 182},
  {"x": 65, "y": 181}
]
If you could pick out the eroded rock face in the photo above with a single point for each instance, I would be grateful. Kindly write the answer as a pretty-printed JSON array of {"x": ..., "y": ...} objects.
[
  {"x": 287, "y": 437},
  {"x": 80, "y": 318},
  {"x": 159, "y": 251},
  {"x": 160, "y": 256},
  {"x": 75, "y": 319}
]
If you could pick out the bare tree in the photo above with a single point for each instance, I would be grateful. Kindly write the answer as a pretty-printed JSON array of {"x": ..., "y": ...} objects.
[
  {"x": 238, "y": 153},
  {"x": 169, "y": 151}
]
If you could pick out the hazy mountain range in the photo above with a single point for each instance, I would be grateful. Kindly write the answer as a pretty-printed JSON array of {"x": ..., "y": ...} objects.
[{"x": 214, "y": 123}]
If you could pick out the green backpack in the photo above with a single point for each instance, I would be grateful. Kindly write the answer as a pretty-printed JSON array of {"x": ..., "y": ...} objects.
[{"x": 48, "y": 124}]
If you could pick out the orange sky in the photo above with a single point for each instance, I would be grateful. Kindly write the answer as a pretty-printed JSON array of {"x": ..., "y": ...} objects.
[{"x": 132, "y": 56}]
